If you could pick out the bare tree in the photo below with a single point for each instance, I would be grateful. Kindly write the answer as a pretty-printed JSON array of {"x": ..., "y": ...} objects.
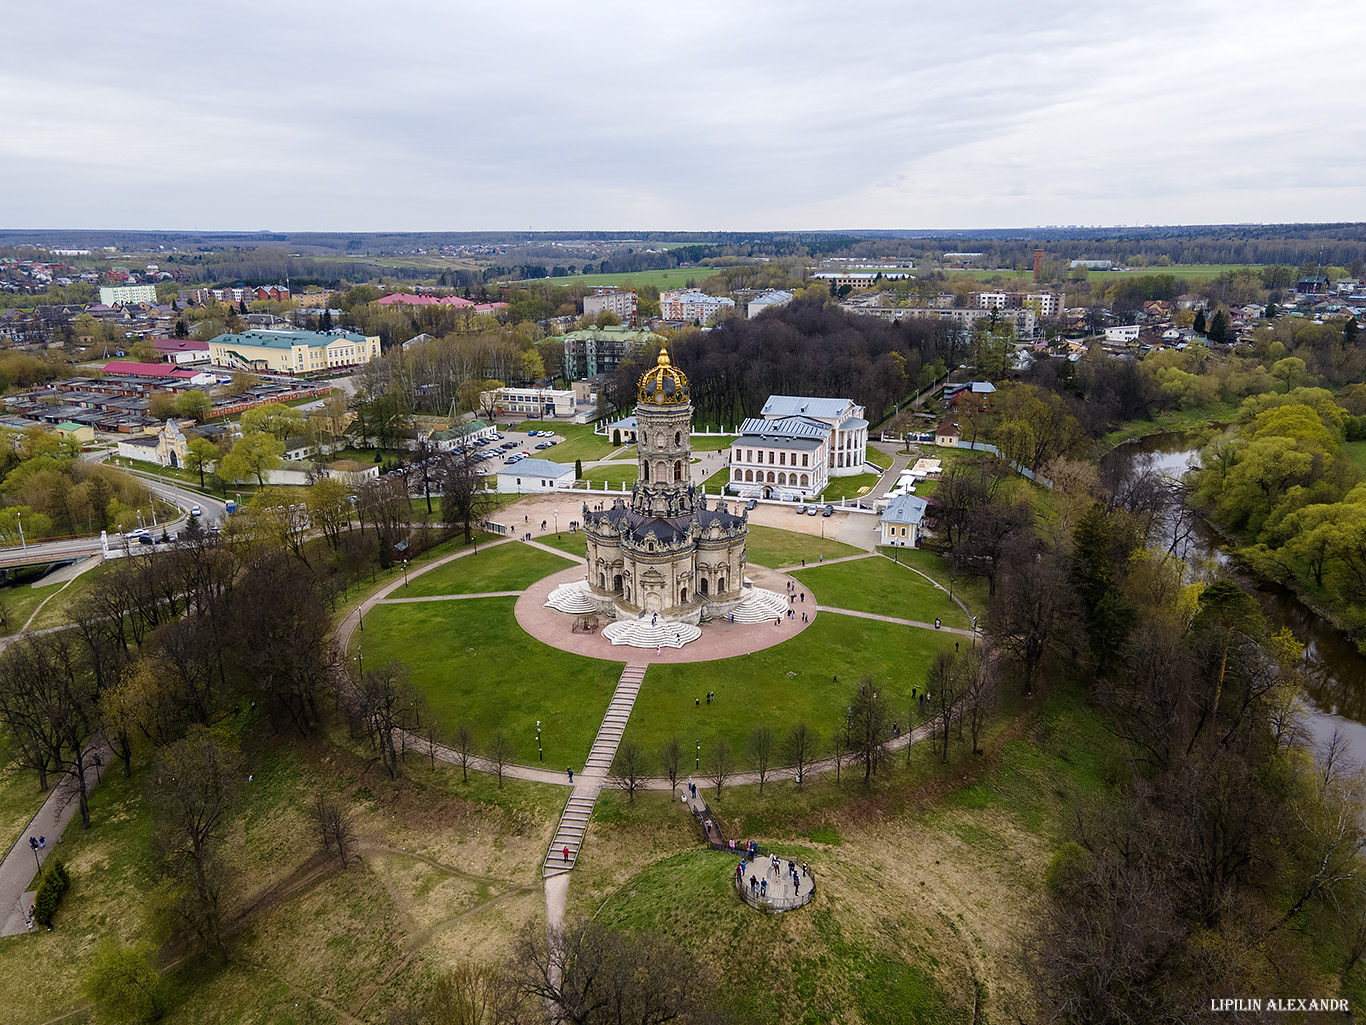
[
  {"x": 628, "y": 768},
  {"x": 464, "y": 746},
  {"x": 197, "y": 781},
  {"x": 500, "y": 752},
  {"x": 670, "y": 757},
  {"x": 389, "y": 709},
  {"x": 721, "y": 762},
  {"x": 866, "y": 728},
  {"x": 464, "y": 497},
  {"x": 979, "y": 694},
  {"x": 944, "y": 688},
  {"x": 800, "y": 748},
  {"x": 472, "y": 994},
  {"x": 839, "y": 749},
  {"x": 587, "y": 974},
  {"x": 334, "y": 829},
  {"x": 761, "y": 753}
]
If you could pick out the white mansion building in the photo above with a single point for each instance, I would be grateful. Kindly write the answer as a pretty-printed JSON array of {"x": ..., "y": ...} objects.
[{"x": 795, "y": 445}]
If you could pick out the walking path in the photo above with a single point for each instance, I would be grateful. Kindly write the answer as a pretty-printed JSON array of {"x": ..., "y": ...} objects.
[
  {"x": 21, "y": 864},
  {"x": 448, "y": 597},
  {"x": 579, "y": 808},
  {"x": 902, "y": 622}
]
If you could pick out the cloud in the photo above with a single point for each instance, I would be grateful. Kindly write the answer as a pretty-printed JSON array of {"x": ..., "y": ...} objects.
[{"x": 435, "y": 115}]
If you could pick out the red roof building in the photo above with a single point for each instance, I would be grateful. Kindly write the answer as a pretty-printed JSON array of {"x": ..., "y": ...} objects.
[
  {"x": 404, "y": 299},
  {"x": 123, "y": 368}
]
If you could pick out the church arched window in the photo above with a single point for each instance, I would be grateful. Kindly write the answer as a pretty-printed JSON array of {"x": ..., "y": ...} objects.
[
  {"x": 805, "y": 481},
  {"x": 678, "y": 469},
  {"x": 678, "y": 438},
  {"x": 646, "y": 468}
]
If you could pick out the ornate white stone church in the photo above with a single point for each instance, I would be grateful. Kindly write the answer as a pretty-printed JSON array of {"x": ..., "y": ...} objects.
[{"x": 666, "y": 553}]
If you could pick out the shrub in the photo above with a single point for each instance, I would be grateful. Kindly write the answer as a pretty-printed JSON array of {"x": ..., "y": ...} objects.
[
  {"x": 1067, "y": 867},
  {"x": 51, "y": 886}
]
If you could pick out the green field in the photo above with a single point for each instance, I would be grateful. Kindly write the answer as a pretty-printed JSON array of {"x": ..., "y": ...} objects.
[
  {"x": 675, "y": 278},
  {"x": 850, "y": 487},
  {"x": 1190, "y": 271},
  {"x": 473, "y": 663},
  {"x": 771, "y": 547},
  {"x": 614, "y": 474},
  {"x": 579, "y": 442},
  {"x": 783, "y": 685},
  {"x": 879, "y": 585},
  {"x": 505, "y": 567},
  {"x": 971, "y": 591},
  {"x": 710, "y": 442},
  {"x": 878, "y": 457}
]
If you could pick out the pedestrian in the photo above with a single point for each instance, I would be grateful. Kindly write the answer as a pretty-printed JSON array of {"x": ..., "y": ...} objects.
[
  {"x": 571, "y": 774},
  {"x": 803, "y": 597},
  {"x": 955, "y": 645},
  {"x": 42, "y": 842},
  {"x": 835, "y": 678},
  {"x": 936, "y": 622},
  {"x": 33, "y": 842},
  {"x": 803, "y": 564},
  {"x": 805, "y": 865},
  {"x": 763, "y": 887},
  {"x": 678, "y": 637},
  {"x": 821, "y": 559},
  {"x": 566, "y": 855},
  {"x": 697, "y": 702},
  {"x": 659, "y": 649}
]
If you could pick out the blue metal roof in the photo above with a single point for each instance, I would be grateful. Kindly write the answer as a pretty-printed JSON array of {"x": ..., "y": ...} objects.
[{"x": 905, "y": 509}]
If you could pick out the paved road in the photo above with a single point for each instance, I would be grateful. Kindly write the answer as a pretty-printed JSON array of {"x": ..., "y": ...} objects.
[{"x": 19, "y": 868}]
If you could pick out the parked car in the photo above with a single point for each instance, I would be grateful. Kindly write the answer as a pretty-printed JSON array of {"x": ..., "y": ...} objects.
[
  {"x": 811, "y": 510},
  {"x": 829, "y": 510},
  {"x": 544, "y": 445},
  {"x": 751, "y": 503}
]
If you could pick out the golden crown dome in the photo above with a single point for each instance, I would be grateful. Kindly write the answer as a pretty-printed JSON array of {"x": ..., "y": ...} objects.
[{"x": 664, "y": 383}]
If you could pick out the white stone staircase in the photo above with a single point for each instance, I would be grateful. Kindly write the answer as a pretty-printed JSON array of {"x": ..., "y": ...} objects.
[
  {"x": 572, "y": 598},
  {"x": 579, "y": 808},
  {"x": 638, "y": 633},
  {"x": 760, "y": 606}
]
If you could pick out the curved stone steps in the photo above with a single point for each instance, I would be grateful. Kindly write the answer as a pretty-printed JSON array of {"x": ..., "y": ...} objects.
[
  {"x": 572, "y": 598},
  {"x": 638, "y": 633}
]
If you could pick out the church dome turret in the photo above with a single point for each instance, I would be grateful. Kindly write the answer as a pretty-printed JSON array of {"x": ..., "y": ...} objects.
[{"x": 664, "y": 384}]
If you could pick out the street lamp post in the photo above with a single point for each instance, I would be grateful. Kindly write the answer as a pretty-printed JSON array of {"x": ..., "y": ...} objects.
[
  {"x": 698, "y": 763},
  {"x": 405, "y": 573},
  {"x": 360, "y": 661},
  {"x": 539, "y": 753},
  {"x": 18, "y": 518},
  {"x": 974, "y": 631},
  {"x": 557, "y": 521}
]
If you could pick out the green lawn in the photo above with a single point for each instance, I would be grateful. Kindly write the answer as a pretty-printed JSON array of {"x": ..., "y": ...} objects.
[
  {"x": 505, "y": 567},
  {"x": 783, "y": 685},
  {"x": 19, "y": 793},
  {"x": 1174, "y": 420},
  {"x": 579, "y": 441},
  {"x": 565, "y": 542},
  {"x": 1356, "y": 450},
  {"x": 711, "y": 442},
  {"x": 58, "y": 610},
  {"x": 850, "y": 487},
  {"x": 614, "y": 474},
  {"x": 972, "y": 590},
  {"x": 719, "y": 479},
  {"x": 826, "y": 969},
  {"x": 19, "y": 600},
  {"x": 881, "y": 586},
  {"x": 771, "y": 547},
  {"x": 473, "y": 663},
  {"x": 878, "y": 457}
]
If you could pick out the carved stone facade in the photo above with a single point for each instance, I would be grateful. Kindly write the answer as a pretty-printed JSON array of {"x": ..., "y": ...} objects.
[{"x": 666, "y": 552}]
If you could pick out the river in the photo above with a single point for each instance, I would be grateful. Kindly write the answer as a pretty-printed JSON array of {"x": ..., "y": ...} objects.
[{"x": 1335, "y": 671}]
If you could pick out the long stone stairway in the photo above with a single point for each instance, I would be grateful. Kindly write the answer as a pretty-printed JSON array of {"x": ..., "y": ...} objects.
[{"x": 579, "y": 808}]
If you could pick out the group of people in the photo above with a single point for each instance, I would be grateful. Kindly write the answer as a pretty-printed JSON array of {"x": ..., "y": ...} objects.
[
  {"x": 758, "y": 887},
  {"x": 37, "y": 843}
]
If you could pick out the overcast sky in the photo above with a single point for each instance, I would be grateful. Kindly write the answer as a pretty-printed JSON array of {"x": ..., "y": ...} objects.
[{"x": 704, "y": 115}]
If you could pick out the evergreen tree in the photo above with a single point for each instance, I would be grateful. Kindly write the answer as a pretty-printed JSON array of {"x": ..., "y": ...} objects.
[
  {"x": 1200, "y": 322},
  {"x": 1218, "y": 328},
  {"x": 1109, "y": 615}
]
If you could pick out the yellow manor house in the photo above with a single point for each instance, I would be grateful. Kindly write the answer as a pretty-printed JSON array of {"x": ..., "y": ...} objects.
[{"x": 292, "y": 352}]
